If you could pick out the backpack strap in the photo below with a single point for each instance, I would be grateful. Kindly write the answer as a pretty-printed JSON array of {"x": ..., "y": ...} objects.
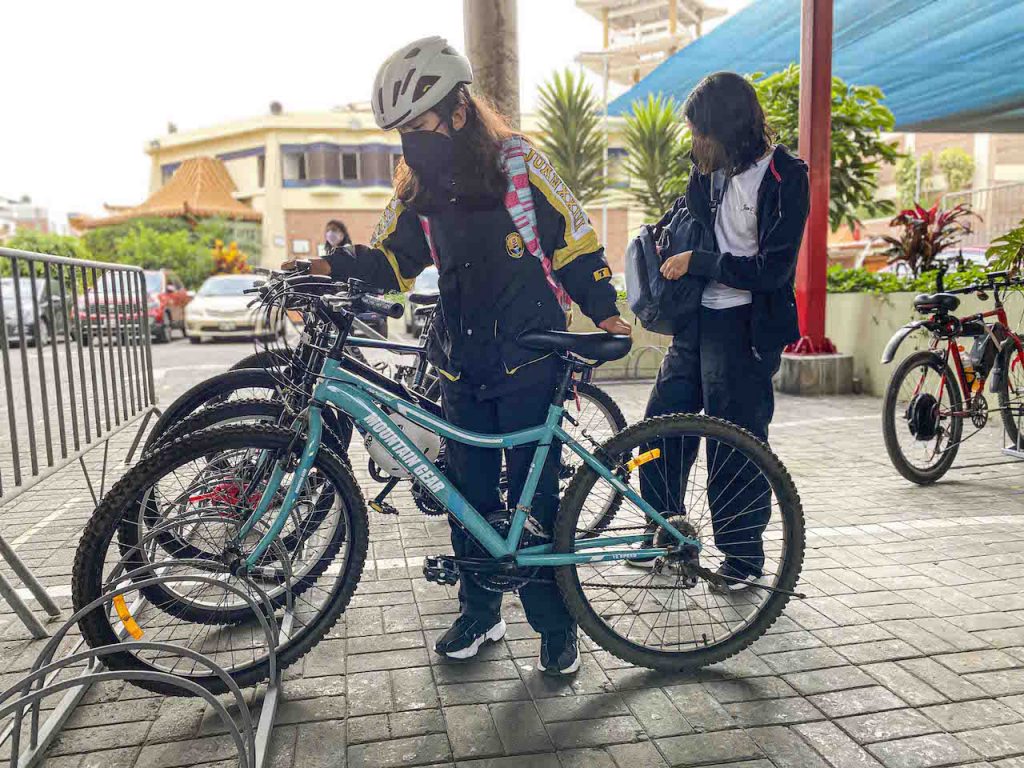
[
  {"x": 425, "y": 225},
  {"x": 519, "y": 204}
]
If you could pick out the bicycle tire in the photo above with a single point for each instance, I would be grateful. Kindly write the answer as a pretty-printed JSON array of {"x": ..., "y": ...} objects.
[
  {"x": 889, "y": 425},
  {"x": 108, "y": 520},
  {"x": 1011, "y": 411},
  {"x": 646, "y": 432},
  {"x": 218, "y": 389},
  {"x": 267, "y": 358}
]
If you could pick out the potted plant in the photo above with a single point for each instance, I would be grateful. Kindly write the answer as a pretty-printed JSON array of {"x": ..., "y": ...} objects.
[{"x": 925, "y": 234}]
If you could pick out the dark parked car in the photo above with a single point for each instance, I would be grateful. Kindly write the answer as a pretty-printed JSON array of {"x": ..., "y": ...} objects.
[{"x": 53, "y": 311}]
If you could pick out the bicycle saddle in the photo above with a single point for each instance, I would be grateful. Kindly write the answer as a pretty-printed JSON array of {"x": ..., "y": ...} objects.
[
  {"x": 424, "y": 298},
  {"x": 934, "y": 302},
  {"x": 591, "y": 346}
]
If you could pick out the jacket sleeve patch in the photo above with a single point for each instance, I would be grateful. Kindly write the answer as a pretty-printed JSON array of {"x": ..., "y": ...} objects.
[
  {"x": 602, "y": 274},
  {"x": 580, "y": 237},
  {"x": 387, "y": 223}
]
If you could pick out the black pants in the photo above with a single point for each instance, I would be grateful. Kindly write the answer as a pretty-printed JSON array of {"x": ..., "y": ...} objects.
[
  {"x": 476, "y": 472},
  {"x": 712, "y": 366}
]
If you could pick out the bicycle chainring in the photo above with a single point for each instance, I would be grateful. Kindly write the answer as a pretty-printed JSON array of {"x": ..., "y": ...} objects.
[
  {"x": 511, "y": 578},
  {"x": 923, "y": 416}
]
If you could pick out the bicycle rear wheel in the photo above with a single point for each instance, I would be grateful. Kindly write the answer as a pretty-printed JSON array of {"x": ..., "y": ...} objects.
[
  {"x": 1011, "y": 394},
  {"x": 684, "y": 611},
  {"x": 193, "y": 494}
]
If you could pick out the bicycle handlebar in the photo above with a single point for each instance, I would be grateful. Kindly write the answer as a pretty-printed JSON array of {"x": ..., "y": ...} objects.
[{"x": 382, "y": 306}]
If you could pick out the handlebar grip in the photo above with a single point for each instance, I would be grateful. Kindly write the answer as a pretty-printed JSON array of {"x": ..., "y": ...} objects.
[{"x": 392, "y": 309}]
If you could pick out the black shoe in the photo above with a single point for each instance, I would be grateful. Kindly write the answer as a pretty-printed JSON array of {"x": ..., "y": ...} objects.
[
  {"x": 466, "y": 635},
  {"x": 559, "y": 654},
  {"x": 736, "y": 578}
]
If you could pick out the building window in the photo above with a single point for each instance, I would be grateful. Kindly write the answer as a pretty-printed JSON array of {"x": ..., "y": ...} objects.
[
  {"x": 166, "y": 172},
  {"x": 294, "y": 166},
  {"x": 349, "y": 166},
  {"x": 261, "y": 171}
]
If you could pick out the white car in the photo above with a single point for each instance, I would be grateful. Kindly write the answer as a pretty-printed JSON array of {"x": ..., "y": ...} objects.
[{"x": 220, "y": 310}]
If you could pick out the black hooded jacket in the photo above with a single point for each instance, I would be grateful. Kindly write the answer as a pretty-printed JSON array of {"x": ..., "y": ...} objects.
[
  {"x": 492, "y": 289},
  {"x": 782, "y": 205}
]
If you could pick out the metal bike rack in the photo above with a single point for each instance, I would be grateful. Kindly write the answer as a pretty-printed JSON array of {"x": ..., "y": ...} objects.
[{"x": 251, "y": 741}]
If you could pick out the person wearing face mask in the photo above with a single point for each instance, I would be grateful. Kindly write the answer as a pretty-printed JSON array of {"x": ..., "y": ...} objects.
[
  {"x": 512, "y": 246},
  {"x": 335, "y": 236},
  {"x": 751, "y": 196}
]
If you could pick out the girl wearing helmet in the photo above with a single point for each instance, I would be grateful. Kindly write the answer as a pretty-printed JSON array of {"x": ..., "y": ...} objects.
[{"x": 512, "y": 245}]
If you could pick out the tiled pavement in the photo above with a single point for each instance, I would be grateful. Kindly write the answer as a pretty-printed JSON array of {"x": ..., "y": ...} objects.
[{"x": 908, "y": 652}]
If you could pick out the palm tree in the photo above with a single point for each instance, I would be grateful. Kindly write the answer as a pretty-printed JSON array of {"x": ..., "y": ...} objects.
[
  {"x": 657, "y": 145},
  {"x": 571, "y": 135}
]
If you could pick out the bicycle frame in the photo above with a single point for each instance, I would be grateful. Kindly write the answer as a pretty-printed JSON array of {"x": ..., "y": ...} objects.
[
  {"x": 359, "y": 399},
  {"x": 967, "y": 387}
]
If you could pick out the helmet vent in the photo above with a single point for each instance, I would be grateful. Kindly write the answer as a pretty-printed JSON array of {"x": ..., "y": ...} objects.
[
  {"x": 408, "y": 79},
  {"x": 412, "y": 54},
  {"x": 449, "y": 50},
  {"x": 395, "y": 91},
  {"x": 423, "y": 85},
  {"x": 380, "y": 100}
]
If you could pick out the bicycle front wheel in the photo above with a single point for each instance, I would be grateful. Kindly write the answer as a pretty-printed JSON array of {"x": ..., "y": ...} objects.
[
  {"x": 922, "y": 418},
  {"x": 202, "y": 488},
  {"x": 685, "y": 608}
]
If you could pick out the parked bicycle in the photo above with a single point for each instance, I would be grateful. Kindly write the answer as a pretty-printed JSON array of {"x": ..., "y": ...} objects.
[
  {"x": 935, "y": 393},
  {"x": 279, "y": 505},
  {"x": 277, "y": 381}
]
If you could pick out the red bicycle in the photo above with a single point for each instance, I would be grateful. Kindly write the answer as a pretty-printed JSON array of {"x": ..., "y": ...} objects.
[{"x": 933, "y": 392}]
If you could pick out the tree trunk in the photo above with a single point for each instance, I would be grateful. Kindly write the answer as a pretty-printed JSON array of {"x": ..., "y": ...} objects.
[{"x": 493, "y": 49}]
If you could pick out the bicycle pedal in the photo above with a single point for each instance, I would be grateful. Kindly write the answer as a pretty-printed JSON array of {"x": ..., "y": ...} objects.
[
  {"x": 440, "y": 570},
  {"x": 383, "y": 507}
]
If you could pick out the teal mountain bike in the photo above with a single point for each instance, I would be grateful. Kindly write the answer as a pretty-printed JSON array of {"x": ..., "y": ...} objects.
[{"x": 276, "y": 507}]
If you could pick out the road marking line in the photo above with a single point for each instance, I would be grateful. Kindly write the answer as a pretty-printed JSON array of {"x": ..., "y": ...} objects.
[{"x": 44, "y": 522}]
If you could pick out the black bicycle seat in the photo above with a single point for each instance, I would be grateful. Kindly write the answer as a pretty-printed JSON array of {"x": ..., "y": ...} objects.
[
  {"x": 591, "y": 346},
  {"x": 936, "y": 302},
  {"x": 424, "y": 298}
]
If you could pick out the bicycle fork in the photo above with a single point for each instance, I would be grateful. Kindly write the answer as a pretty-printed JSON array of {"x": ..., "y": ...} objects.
[{"x": 314, "y": 432}]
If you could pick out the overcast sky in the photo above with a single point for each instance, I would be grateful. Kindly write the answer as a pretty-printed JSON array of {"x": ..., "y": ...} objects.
[{"x": 87, "y": 84}]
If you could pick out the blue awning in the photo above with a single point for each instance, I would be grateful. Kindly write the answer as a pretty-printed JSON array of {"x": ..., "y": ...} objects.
[{"x": 944, "y": 65}]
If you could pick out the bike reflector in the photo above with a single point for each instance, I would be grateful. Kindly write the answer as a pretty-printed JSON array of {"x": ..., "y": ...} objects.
[
  {"x": 125, "y": 615},
  {"x": 643, "y": 458}
]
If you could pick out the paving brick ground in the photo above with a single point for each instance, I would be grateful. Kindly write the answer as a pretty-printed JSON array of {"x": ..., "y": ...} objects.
[{"x": 907, "y": 653}]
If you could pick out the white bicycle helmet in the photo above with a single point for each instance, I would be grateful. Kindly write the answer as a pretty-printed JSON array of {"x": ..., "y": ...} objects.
[{"x": 416, "y": 78}]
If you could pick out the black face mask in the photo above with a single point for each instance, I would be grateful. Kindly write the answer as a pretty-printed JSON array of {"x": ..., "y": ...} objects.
[{"x": 430, "y": 155}]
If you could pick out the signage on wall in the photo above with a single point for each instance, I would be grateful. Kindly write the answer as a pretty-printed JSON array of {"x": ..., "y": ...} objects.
[
  {"x": 300, "y": 246},
  {"x": 279, "y": 241}
]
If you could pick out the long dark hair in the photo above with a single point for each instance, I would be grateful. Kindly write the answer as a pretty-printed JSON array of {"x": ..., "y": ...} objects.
[
  {"x": 340, "y": 226},
  {"x": 729, "y": 129},
  {"x": 478, "y": 171}
]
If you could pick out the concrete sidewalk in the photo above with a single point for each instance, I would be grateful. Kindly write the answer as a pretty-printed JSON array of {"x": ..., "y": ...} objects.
[{"x": 908, "y": 652}]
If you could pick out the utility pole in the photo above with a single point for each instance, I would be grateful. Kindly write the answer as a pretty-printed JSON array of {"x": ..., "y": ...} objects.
[{"x": 492, "y": 45}]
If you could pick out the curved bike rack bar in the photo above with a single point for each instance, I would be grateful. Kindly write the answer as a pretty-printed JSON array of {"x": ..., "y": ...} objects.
[
  {"x": 252, "y": 743},
  {"x": 637, "y": 354}
]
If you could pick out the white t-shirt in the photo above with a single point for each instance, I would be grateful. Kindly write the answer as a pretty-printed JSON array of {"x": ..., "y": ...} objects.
[{"x": 736, "y": 231}]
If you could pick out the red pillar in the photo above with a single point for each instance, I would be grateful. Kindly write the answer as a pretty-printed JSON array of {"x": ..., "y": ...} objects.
[{"x": 815, "y": 148}]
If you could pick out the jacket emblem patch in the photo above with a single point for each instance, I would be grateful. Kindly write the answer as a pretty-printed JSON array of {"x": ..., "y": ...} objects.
[
  {"x": 514, "y": 245},
  {"x": 602, "y": 273}
]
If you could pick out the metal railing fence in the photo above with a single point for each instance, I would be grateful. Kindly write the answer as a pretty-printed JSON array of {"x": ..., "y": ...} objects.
[
  {"x": 77, "y": 369},
  {"x": 1001, "y": 208}
]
